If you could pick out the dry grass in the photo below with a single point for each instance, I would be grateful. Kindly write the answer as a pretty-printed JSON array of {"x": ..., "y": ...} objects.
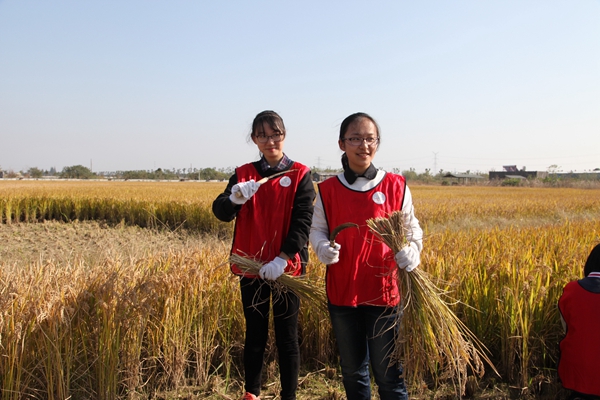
[{"x": 91, "y": 241}]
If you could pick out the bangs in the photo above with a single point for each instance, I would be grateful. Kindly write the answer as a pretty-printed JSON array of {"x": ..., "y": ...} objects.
[{"x": 272, "y": 119}]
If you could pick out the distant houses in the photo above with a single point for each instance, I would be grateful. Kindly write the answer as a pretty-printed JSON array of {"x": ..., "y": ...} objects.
[
  {"x": 463, "y": 178},
  {"x": 518, "y": 174},
  {"x": 512, "y": 172}
]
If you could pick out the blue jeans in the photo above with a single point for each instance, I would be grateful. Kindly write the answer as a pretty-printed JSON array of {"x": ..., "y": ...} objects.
[{"x": 363, "y": 334}]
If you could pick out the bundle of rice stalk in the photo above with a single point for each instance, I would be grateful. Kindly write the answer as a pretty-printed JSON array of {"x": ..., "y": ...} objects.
[
  {"x": 432, "y": 339},
  {"x": 299, "y": 285}
]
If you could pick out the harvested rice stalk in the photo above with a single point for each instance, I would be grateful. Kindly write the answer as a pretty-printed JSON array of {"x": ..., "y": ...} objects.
[
  {"x": 301, "y": 286},
  {"x": 432, "y": 338}
]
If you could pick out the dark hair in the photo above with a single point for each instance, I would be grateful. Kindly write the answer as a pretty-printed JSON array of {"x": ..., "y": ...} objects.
[
  {"x": 269, "y": 117},
  {"x": 593, "y": 261},
  {"x": 349, "y": 120}
]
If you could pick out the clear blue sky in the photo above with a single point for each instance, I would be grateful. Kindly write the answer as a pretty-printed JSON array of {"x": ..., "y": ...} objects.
[{"x": 455, "y": 85}]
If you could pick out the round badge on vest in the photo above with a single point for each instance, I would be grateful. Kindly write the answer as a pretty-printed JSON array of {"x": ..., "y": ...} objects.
[
  {"x": 285, "y": 181},
  {"x": 378, "y": 198}
]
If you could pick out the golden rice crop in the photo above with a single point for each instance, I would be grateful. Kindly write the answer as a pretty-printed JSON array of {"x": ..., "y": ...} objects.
[
  {"x": 187, "y": 204},
  {"x": 171, "y": 205},
  {"x": 510, "y": 280},
  {"x": 119, "y": 323},
  {"x": 299, "y": 285},
  {"x": 432, "y": 340},
  {"x": 131, "y": 322}
]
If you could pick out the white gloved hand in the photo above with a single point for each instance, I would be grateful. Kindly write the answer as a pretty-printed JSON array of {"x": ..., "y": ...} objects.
[
  {"x": 241, "y": 192},
  {"x": 273, "y": 270},
  {"x": 409, "y": 257},
  {"x": 328, "y": 255}
]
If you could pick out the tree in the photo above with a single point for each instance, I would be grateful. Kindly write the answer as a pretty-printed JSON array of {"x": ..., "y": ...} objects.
[
  {"x": 410, "y": 175},
  {"x": 212, "y": 174},
  {"x": 426, "y": 176},
  {"x": 76, "y": 172},
  {"x": 35, "y": 172}
]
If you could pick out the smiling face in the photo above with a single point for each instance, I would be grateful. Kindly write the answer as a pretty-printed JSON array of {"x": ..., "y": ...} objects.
[
  {"x": 272, "y": 150},
  {"x": 361, "y": 156}
]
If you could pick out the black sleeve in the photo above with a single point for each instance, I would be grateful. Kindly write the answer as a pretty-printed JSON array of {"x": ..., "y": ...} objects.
[
  {"x": 222, "y": 207},
  {"x": 302, "y": 211}
]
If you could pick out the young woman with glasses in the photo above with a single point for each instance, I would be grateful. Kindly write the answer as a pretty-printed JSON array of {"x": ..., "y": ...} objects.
[
  {"x": 361, "y": 280},
  {"x": 272, "y": 224}
]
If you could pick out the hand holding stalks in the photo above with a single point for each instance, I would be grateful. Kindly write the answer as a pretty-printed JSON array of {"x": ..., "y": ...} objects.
[
  {"x": 409, "y": 257},
  {"x": 273, "y": 270},
  {"x": 432, "y": 338},
  {"x": 242, "y": 191}
]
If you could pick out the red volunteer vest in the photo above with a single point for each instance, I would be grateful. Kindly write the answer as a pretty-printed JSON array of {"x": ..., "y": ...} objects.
[
  {"x": 579, "y": 365},
  {"x": 263, "y": 222},
  {"x": 366, "y": 273}
]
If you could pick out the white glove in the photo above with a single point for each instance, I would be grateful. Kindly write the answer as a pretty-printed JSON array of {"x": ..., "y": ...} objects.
[
  {"x": 273, "y": 270},
  {"x": 328, "y": 255},
  {"x": 241, "y": 192},
  {"x": 409, "y": 257}
]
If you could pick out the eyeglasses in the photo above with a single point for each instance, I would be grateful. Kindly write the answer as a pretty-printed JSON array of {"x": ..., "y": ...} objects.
[
  {"x": 278, "y": 137},
  {"x": 357, "y": 141}
]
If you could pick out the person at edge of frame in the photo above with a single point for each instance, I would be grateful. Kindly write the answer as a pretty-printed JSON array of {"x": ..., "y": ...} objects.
[
  {"x": 361, "y": 280},
  {"x": 579, "y": 305},
  {"x": 272, "y": 224}
]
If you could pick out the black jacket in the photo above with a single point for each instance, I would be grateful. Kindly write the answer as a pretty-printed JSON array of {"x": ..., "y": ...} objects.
[{"x": 297, "y": 237}]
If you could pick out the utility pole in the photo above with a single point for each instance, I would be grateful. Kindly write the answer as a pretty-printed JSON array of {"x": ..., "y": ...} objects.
[{"x": 435, "y": 162}]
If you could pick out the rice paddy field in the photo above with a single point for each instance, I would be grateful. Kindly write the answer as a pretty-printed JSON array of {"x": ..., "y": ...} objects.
[{"x": 121, "y": 290}]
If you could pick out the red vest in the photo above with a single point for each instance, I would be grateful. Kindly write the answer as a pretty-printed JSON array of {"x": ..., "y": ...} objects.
[
  {"x": 263, "y": 222},
  {"x": 579, "y": 365},
  {"x": 366, "y": 273}
]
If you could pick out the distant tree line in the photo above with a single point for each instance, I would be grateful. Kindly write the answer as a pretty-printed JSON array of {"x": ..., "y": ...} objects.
[
  {"x": 82, "y": 172},
  {"x": 204, "y": 174}
]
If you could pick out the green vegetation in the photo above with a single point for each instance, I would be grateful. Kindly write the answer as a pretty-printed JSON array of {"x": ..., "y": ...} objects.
[{"x": 77, "y": 172}]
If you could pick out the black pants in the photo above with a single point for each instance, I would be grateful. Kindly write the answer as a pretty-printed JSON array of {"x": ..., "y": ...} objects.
[
  {"x": 256, "y": 299},
  {"x": 580, "y": 396}
]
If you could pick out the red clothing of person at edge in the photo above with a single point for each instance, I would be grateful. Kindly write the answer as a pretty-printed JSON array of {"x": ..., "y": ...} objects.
[
  {"x": 262, "y": 224},
  {"x": 366, "y": 272},
  {"x": 579, "y": 365}
]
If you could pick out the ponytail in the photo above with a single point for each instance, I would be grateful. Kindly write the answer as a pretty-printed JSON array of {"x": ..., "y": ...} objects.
[{"x": 345, "y": 164}]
